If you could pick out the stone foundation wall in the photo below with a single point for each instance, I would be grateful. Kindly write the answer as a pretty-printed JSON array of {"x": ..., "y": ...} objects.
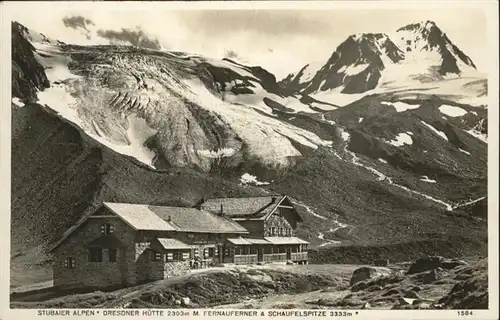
[{"x": 176, "y": 268}]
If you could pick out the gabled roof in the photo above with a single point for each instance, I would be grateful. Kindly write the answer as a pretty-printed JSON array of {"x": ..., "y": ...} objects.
[
  {"x": 156, "y": 218},
  {"x": 258, "y": 208},
  {"x": 285, "y": 240},
  {"x": 139, "y": 216},
  {"x": 239, "y": 241},
  {"x": 172, "y": 244},
  {"x": 196, "y": 220}
]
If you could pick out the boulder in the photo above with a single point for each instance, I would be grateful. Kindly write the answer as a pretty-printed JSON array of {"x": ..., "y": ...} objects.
[
  {"x": 358, "y": 286},
  {"x": 434, "y": 275},
  {"x": 374, "y": 288},
  {"x": 405, "y": 301},
  {"x": 433, "y": 262},
  {"x": 416, "y": 288},
  {"x": 411, "y": 294},
  {"x": 449, "y": 264},
  {"x": 366, "y": 305},
  {"x": 425, "y": 264},
  {"x": 391, "y": 292},
  {"x": 186, "y": 301},
  {"x": 365, "y": 273}
]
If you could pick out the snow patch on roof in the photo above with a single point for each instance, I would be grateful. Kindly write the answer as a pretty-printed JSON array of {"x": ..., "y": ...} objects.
[
  {"x": 452, "y": 111},
  {"x": 360, "y": 120}
]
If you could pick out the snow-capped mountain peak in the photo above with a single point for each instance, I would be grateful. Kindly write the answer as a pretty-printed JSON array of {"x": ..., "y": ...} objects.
[
  {"x": 428, "y": 38},
  {"x": 356, "y": 64},
  {"x": 415, "y": 54}
]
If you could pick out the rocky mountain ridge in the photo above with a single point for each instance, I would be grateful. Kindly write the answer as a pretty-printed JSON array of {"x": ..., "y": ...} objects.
[{"x": 416, "y": 54}]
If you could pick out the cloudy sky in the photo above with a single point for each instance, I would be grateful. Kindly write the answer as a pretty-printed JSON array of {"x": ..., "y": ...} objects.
[{"x": 281, "y": 41}]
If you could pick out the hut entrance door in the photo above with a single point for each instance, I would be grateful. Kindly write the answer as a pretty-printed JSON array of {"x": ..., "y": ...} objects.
[
  {"x": 260, "y": 255},
  {"x": 288, "y": 253}
]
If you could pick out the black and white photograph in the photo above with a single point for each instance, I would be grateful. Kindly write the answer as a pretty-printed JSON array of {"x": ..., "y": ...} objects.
[{"x": 329, "y": 161}]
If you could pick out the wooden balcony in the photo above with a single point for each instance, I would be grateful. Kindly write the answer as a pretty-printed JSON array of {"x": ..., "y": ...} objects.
[
  {"x": 299, "y": 256},
  {"x": 245, "y": 259},
  {"x": 274, "y": 257}
]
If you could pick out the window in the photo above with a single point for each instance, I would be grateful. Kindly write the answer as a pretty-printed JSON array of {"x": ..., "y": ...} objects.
[
  {"x": 169, "y": 256},
  {"x": 273, "y": 231},
  {"x": 211, "y": 252},
  {"x": 155, "y": 256},
  {"x": 280, "y": 232},
  {"x": 95, "y": 255},
  {"x": 107, "y": 228},
  {"x": 176, "y": 255},
  {"x": 69, "y": 263},
  {"x": 112, "y": 255}
]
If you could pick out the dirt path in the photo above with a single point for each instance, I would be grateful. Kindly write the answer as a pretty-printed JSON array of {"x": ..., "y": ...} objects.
[{"x": 298, "y": 301}]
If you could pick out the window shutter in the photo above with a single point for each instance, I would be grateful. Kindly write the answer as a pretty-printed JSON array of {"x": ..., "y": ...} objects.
[
  {"x": 216, "y": 251},
  {"x": 111, "y": 229},
  {"x": 185, "y": 255},
  {"x": 170, "y": 256},
  {"x": 73, "y": 263},
  {"x": 103, "y": 228},
  {"x": 66, "y": 263},
  {"x": 157, "y": 256},
  {"x": 205, "y": 252}
]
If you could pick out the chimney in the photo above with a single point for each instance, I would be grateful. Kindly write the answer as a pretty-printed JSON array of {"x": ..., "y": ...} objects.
[
  {"x": 221, "y": 210},
  {"x": 169, "y": 218},
  {"x": 273, "y": 199}
]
